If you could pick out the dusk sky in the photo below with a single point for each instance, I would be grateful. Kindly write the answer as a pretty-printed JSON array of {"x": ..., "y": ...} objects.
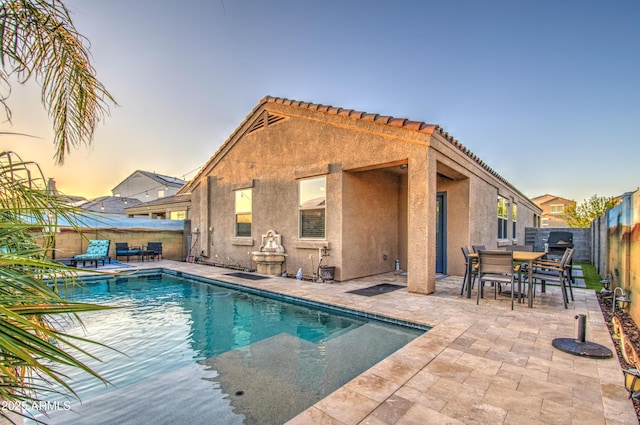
[{"x": 547, "y": 93}]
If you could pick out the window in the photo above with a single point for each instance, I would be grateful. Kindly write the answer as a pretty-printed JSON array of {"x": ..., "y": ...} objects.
[
  {"x": 514, "y": 220},
  {"x": 545, "y": 222},
  {"x": 557, "y": 209},
  {"x": 243, "y": 212},
  {"x": 178, "y": 215},
  {"x": 312, "y": 206},
  {"x": 503, "y": 217}
]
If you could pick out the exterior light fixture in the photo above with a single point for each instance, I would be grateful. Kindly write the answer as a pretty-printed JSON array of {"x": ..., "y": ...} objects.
[
  {"x": 622, "y": 300},
  {"x": 632, "y": 382}
]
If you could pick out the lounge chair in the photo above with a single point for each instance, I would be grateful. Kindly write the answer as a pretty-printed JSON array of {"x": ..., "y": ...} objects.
[
  {"x": 156, "y": 247},
  {"x": 97, "y": 250},
  {"x": 123, "y": 250}
]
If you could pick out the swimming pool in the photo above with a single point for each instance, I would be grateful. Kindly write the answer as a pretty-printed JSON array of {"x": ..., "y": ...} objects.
[{"x": 194, "y": 351}]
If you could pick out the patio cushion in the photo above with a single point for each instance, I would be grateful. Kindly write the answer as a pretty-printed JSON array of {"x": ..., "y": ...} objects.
[{"x": 96, "y": 249}]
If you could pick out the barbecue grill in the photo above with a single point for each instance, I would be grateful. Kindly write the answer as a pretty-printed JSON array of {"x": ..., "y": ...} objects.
[{"x": 557, "y": 243}]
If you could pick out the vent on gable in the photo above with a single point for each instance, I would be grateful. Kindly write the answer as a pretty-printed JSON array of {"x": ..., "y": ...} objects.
[{"x": 264, "y": 121}]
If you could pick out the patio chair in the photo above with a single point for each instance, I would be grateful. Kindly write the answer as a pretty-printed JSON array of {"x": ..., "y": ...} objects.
[
  {"x": 156, "y": 247},
  {"x": 496, "y": 267},
  {"x": 474, "y": 269},
  {"x": 477, "y": 248},
  {"x": 123, "y": 250},
  {"x": 550, "y": 271},
  {"x": 97, "y": 250}
]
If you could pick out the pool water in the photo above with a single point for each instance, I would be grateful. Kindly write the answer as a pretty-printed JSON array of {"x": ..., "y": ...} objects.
[{"x": 195, "y": 352}]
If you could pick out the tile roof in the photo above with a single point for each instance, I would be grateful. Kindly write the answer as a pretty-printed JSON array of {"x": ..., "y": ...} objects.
[
  {"x": 110, "y": 204},
  {"x": 419, "y": 126},
  {"x": 165, "y": 200},
  {"x": 166, "y": 180}
]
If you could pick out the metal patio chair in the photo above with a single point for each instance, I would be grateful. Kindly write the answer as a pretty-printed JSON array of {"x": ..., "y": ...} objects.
[
  {"x": 548, "y": 271},
  {"x": 496, "y": 267},
  {"x": 474, "y": 269}
]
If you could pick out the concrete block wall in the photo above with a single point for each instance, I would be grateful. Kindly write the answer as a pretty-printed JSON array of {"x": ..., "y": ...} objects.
[
  {"x": 70, "y": 243},
  {"x": 537, "y": 236}
]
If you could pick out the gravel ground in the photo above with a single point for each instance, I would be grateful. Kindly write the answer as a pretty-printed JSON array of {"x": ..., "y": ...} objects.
[{"x": 630, "y": 330}]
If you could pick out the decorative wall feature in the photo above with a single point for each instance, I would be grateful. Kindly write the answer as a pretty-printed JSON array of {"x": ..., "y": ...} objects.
[{"x": 271, "y": 256}]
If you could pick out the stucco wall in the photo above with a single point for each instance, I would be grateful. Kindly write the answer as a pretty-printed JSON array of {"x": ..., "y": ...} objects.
[
  {"x": 370, "y": 223},
  {"x": 142, "y": 187},
  {"x": 457, "y": 222},
  {"x": 374, "y": 207},
  {"x": 272, "y": 161}
]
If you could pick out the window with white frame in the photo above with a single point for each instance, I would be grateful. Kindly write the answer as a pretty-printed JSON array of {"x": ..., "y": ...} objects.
[
  {"x": 243, "y": 213},
  {"x": 557, "y": 209},
  {"x": 312, "y": 207},
  {"x": 503, "y": 217},
  {"x": 514, "y": 215}
]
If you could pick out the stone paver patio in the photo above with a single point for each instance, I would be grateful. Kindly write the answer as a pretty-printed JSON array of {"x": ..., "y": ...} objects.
[{"x": 479, "y": 364}]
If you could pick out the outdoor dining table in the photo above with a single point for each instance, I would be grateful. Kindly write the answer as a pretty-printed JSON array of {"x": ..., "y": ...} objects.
[{"x": 518, "y": 256}]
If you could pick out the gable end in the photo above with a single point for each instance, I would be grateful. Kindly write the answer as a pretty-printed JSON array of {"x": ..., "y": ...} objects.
[{"x": 265, "y": 120}]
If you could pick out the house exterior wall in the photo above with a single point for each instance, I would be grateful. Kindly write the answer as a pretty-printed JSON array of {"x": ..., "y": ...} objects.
[
  {"x": 381, "y": 182},
  {"x": 551, "y": 217},
  {"x": 370, "y": 237},
  {"x": 458, "y": 219},
  {"x": 362, "y": 206},
  {"x": 144, "y": 188},
  {"x": 172, "y": 211}
]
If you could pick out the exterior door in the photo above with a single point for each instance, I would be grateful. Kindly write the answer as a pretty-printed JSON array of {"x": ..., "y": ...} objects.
[{"x": 441, "y": 232}]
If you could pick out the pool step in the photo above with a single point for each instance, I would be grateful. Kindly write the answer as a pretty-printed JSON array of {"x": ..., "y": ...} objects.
[
  {"x": 282, "y": 375},
  {"x": 268, "y": 378}
]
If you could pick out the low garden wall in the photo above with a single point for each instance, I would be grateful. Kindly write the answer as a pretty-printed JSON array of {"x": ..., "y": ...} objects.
[
  {"x": 70, "y": 243},
  {"x": 137, "y": 232}
]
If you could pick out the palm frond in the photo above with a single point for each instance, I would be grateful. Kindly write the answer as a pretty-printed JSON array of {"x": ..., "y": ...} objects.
[
  {"x": 33, "y": 343},
  {"x": 39, "y": 40}
]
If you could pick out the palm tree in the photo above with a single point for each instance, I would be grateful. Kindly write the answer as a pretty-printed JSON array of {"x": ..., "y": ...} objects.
[
  {"x": 31, "y": 343},
  {"x": 39, "y": 41}
]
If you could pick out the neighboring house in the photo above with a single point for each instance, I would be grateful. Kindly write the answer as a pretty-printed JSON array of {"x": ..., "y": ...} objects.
[
  {"x": 147, "y": 186},
  {"x": 553, "y": 209},
  {"x": 172, "y": 207},
  {"x": 109, "y": 204},
  {"x": 369, "y": 189}
]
